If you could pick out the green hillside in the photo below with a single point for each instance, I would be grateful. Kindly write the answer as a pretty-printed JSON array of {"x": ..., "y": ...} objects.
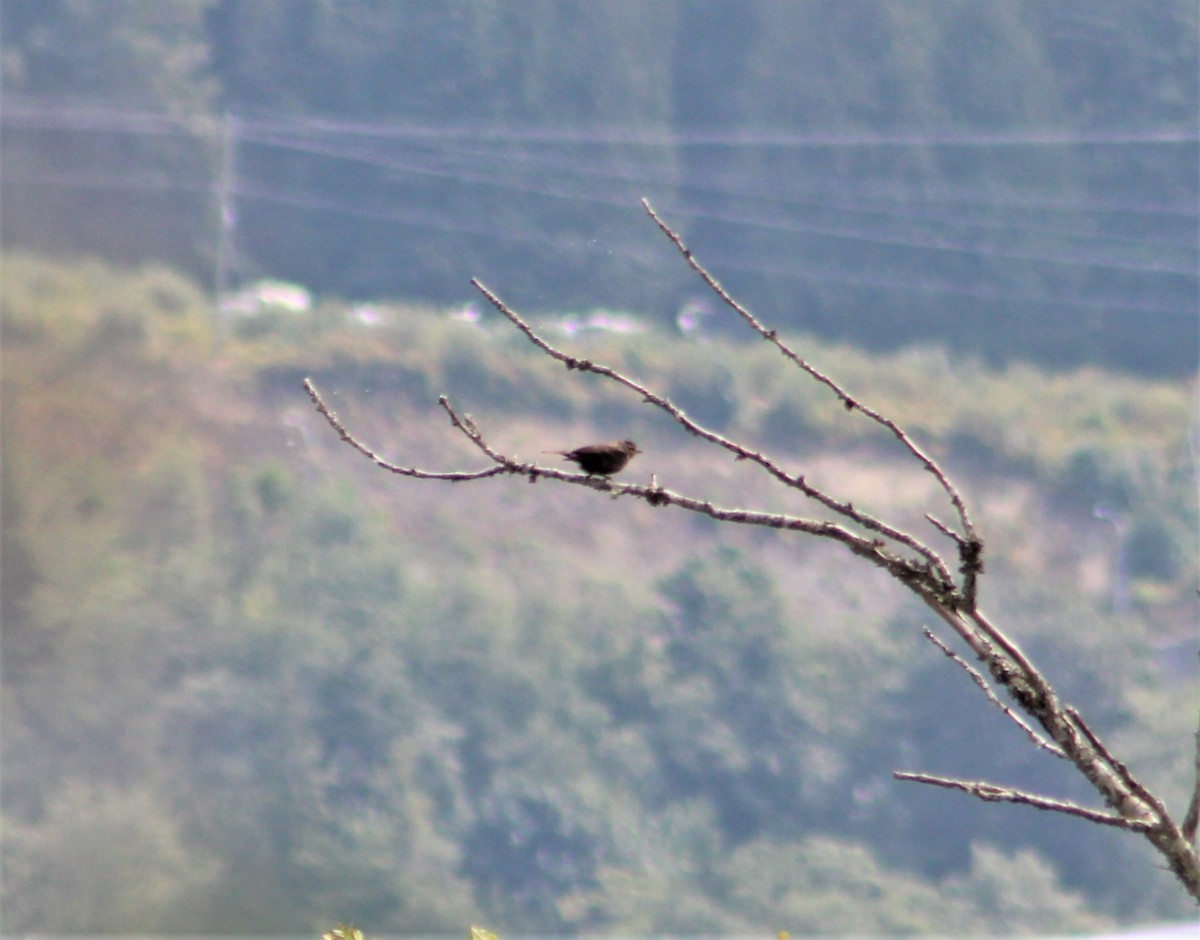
[{"x": 254, "y": 684}]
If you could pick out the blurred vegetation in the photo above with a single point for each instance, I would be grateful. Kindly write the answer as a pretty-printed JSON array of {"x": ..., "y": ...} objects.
[
  {"x": 254, "y": 685},
  {"x": 1016, "y": 180}
]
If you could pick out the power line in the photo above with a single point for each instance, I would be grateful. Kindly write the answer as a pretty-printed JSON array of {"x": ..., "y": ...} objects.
[
  {"x": 869, "y": 214},
  {"x": 48, "y": 112},
  {"x": 226, "y": 222}
]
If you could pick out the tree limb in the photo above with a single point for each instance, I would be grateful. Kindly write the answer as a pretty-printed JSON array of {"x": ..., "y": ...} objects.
[
  {"x": 331, "y": 417},
  {"x": 992, "y": 793},
  {"x": 978, "y": 679},
  {"x": 798, "y": 482},
  {"x": 871, "y": 549},
  {"x": 921, "y": 569},
  {"x": 1191, "y": 819},
  {"x": 851, "y": 403}
]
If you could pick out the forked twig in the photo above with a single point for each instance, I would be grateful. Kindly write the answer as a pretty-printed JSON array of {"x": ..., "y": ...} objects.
[
  {"x": 1067, "y": 735},
  {"x": 653, "y": 494},
  {"x": 1117, "y": 765},
  {"x": 1191, "y": 819},
  {"x": 991, "y": 696},
  {"x": 452, "y": 475},
  {"x": 798, "y": 482},
  {"x": 851, "y": 403}
]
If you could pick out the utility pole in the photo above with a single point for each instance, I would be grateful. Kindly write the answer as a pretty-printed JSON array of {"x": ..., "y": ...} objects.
[{"x": 226, "y": 223}]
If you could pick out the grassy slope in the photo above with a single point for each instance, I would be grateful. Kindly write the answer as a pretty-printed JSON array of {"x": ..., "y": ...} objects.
[{"x": 116, "y": 400}]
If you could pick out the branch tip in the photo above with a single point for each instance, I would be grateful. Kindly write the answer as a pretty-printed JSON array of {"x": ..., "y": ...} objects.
[{"x": 993, "y": 793}]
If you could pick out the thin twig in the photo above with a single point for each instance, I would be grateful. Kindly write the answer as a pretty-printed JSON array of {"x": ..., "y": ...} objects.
[
  {"x": 992, "y": 793},
  {"x": 333, "y": 420},
  {"x": 1191, "y": 819},
  {"x": 1117, "y": 765},
  {"x": 463, "y": 423},
  {"x": 845, "y": 509},
  {"x": 871, "y": 549},
  {"x": 471, "y": 430},
  {"x": 978, "y": 679},
  {"x": 1012, "y": 668},
  {"x": 943, "y": 528},
  {"x": 1039, "y": 688},
  {"x": 1136, "y": 808},
  {"x": 848, "y": 400}
]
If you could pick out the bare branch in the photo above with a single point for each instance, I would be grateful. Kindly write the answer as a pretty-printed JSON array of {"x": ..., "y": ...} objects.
[
  {"x": 1012, "y": 669},
  {"x": 504, "y": 464},
  {"x": 1191, "y": 819},
  {"x": 978, "y": 679},
  {"x": 1038, "y": 689},
  {"x": 1066, "y": 734},
  {"x": 992, "y": 793},
  {"x": 653, "y": 494},
  {"x": 942, "y": 527},
  {"x": 798, "y": 482},
  {"x": 471, "y": 430},
  {"x": 849, "y": 401},
  {"x": 1117, "y": 765},
  {"x": 454, "y": 475}
]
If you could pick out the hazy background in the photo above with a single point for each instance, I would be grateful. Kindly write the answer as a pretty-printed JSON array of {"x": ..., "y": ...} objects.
[
  {"x": 254, "y": 685},
  {"x": 1013, "y": 178}
]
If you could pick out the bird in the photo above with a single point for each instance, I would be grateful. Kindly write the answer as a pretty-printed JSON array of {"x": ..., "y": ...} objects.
[{"x": 601, "y": 459}]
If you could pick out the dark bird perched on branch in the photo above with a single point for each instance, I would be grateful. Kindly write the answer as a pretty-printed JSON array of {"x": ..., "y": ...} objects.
[{"x": 602, "y": 459}]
